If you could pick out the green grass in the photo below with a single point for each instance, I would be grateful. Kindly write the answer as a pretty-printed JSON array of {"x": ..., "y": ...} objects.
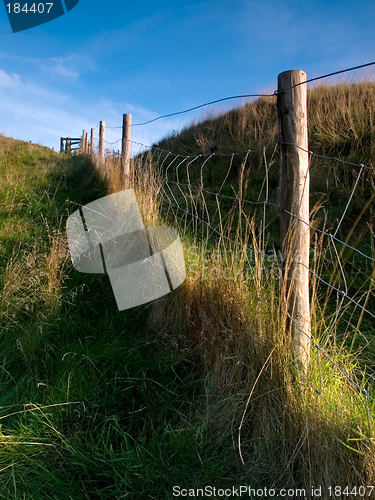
[
  {"x": 198, "y": 388},
  {"x": 92, "y": 405}
]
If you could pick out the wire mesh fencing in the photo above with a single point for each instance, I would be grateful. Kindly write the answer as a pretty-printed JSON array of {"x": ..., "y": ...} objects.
[
  {"x": 225, "y": 198},
  {"x": 227, "y": 202}
]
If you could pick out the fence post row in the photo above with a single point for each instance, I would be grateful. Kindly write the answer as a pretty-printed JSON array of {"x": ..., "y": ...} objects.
[
  {"x": 294, "y": 199},
  {"x": 125, "y": 153}
]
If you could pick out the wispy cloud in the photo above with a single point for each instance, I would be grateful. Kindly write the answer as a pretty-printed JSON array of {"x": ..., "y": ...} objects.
[
  {"x": 62, "y": 66},
  {"x": 32, "y": 111},
  {"x": 9, "y": 80},
  {"x": 70, "y": 67}
]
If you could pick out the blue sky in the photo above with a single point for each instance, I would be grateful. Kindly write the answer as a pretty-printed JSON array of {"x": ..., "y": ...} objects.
[{"x": 106, "y": 58}]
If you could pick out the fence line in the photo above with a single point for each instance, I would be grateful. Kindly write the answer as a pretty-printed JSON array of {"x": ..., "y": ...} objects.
[
  {"x": 344, "y": 295},
  {"x": 276, "y": 92},
  {"x": 171, "y": 164}
]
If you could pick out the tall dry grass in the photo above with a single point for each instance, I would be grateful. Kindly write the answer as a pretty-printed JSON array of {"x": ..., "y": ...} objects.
[
  {"x": 226, "y": 319},
  {"x": 296, "y": 430},
  {"x": 144, "y": 179},
  {"x": 284, "y": 428}
]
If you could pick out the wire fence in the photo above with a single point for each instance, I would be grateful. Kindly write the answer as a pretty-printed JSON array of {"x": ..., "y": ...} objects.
[
  {"x": 198, "y": 193},
  {"x": 114, "y": 141}
]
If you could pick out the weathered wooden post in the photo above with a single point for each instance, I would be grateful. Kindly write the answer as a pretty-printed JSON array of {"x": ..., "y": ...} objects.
[
  {"x": 82, "y": 145},
  {"x": 102, "y": 142},
  {"x": 92, "y": 142},
  {"x": 86, "y": 142},
  {"x": 294, "y": 199},
  {"x": 125, "y": 153}
]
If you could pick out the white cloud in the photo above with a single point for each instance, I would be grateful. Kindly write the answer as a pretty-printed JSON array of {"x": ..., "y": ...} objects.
[
  {"x": 31, "y": 111},
  {"x": 60, "y": 66},
  {"x": 10, "y": 80},
  {"x": 70, "y": 67}
]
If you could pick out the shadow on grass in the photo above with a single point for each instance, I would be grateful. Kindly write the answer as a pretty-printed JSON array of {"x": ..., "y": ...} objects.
[{"x": 93, "y": 403}]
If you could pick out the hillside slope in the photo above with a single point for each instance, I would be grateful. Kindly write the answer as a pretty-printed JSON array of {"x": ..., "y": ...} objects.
[
  {"x": 341, "y": 123},
  {"x": 92, "y": 406},
  {"x": 198, "y": 388}
]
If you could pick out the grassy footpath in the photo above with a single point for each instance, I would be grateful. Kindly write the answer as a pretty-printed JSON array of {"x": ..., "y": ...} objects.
[{"x": 91, "y": 404}]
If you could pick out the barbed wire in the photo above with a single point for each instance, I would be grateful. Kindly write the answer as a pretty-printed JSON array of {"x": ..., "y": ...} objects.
[
  {"x": 244, "y": 96},
  {"x": 254, "y": 95},
  {"x": 326, "y": 76}
]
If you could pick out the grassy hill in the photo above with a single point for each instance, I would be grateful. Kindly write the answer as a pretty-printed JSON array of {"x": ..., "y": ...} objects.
[
  {"x": 198, "y": 388},
  {"x": 341, "y": 125},
  {"x": 212, "y": 164},
  {"x": 91, "y": 404}
]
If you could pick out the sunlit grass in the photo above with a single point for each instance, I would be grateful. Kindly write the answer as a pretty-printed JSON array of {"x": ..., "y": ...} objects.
[{"x": 200, "y": 386}]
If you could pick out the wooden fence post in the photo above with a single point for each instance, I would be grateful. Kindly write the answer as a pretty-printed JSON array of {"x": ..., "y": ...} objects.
[
  {"x": 92, "y": 142},
  {"x": 125, "y": 153},
  {"x": 294, "y": 198},
  {"x": 86, "y": 142},
  {"x": 101, "y": 142},
  {"x": 82, "y": 145}
]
